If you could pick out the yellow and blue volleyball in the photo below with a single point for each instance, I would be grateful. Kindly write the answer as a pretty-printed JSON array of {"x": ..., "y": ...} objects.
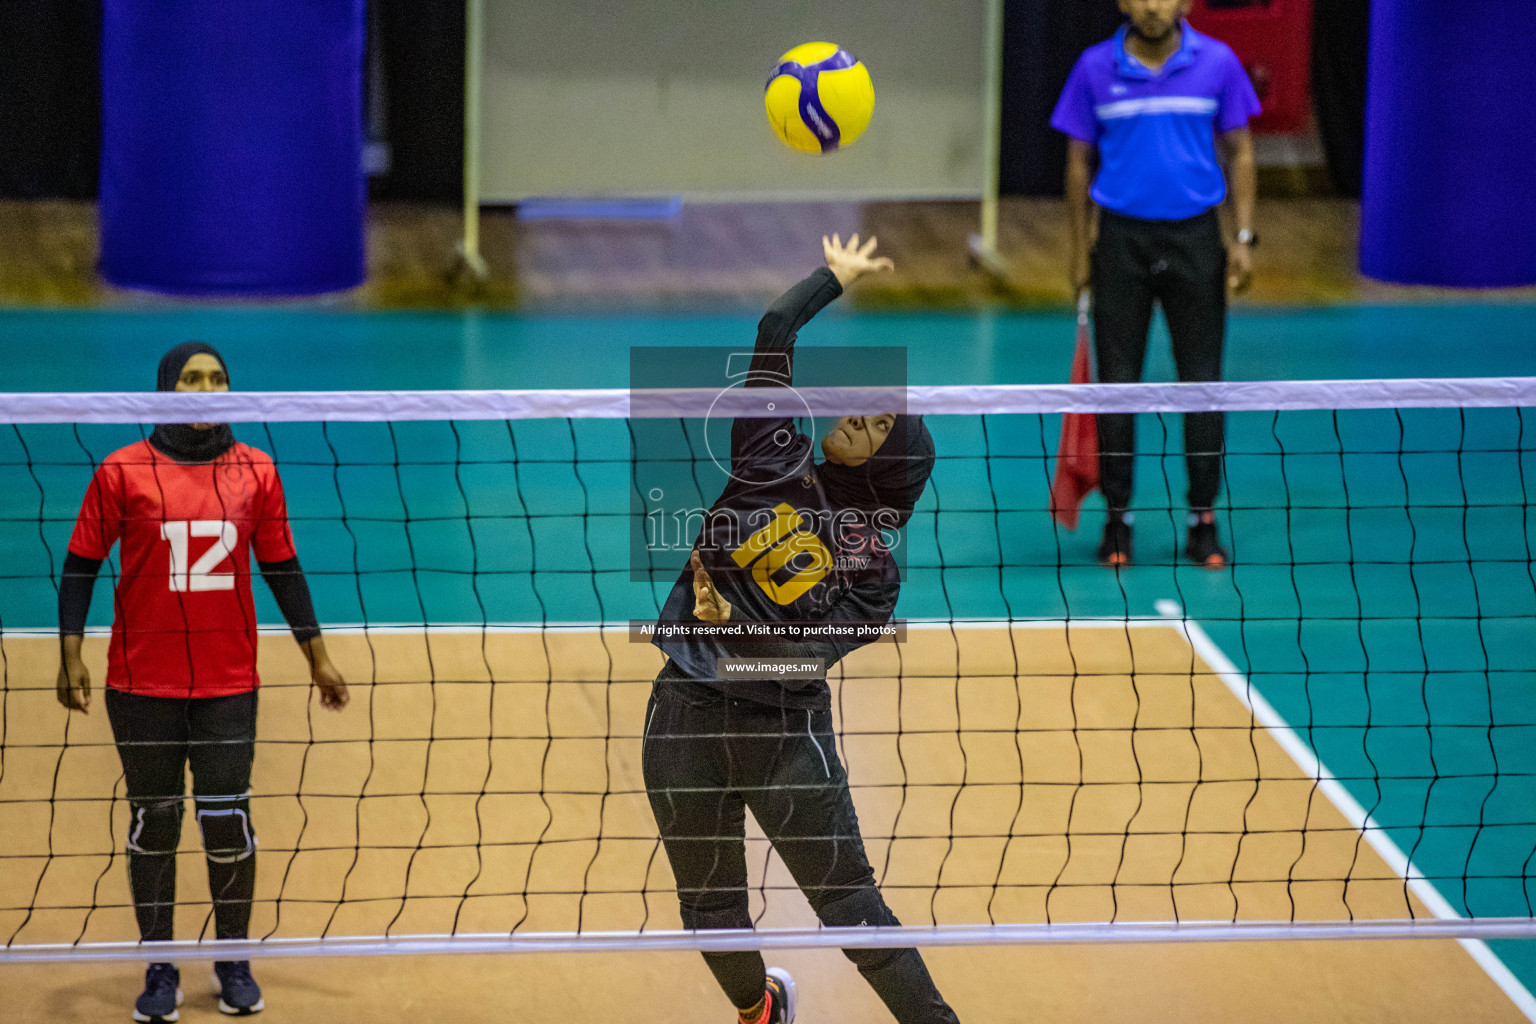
[{"x": 819, "y": 97}]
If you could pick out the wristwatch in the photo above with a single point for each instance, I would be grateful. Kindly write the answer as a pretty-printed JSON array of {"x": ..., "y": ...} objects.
[{"x": 1247, "y": 237}]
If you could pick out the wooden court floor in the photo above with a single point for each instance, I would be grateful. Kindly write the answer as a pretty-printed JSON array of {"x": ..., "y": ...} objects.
[{"x": 486, "y": 782}]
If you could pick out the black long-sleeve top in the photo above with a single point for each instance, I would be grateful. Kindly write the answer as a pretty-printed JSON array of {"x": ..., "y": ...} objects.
[{"x": 759, "y": 542}]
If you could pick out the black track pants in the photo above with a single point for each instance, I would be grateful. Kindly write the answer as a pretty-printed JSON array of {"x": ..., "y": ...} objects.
[
  {"x": 1183, "y": 265},
  {"x": 157, "y": 737},
  {"x": 705, "y": 763}
]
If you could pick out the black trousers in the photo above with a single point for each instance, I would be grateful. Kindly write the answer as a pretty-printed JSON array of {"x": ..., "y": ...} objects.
[
  {"x": 1183, "y": 265},
  {"x": 705, "y": 763},
  {"x": 157, "y": 738}
]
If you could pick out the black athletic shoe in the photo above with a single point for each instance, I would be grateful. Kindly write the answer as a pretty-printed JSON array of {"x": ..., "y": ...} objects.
[
  {"x": 1115, "y": 548},
  {"x": 782, "y": 996},
  {"x": 161, "y": 995},
  {"x": 1201, "y": 546},
  {"x": 239, "y": 995}
]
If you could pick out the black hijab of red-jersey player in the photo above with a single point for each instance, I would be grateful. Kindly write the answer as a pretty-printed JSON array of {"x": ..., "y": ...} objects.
[{"x": 182, "y": 441}]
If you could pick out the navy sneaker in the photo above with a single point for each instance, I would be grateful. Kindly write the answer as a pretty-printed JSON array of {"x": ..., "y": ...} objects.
[
  {"x": 1115, "y": 548},
  {"x": 239, "y": 995},
  {"x": 781, "y": 997},
  {"x": 1201, "y": 546},
  {"x": 161, "y": 995}
]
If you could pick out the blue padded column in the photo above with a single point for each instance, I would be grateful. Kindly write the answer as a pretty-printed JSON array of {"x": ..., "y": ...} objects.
[
  {"x": 1449, "y": 195},
  {"x": 231, "y": 158}
]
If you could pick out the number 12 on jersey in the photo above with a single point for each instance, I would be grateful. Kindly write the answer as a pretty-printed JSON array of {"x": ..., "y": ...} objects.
[{"x": 200, "y": 575}]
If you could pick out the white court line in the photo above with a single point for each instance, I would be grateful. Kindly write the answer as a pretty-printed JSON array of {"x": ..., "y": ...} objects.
[{"x": 1306, "y": 759}]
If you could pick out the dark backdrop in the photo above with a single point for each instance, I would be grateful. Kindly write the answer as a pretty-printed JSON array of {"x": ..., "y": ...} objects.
[
  {"x": 1041, "y": 42},
  {"x": 422, "y": 46},
  {"x": 50, "y": 97},
  {"x": 1340, "y": 43}
]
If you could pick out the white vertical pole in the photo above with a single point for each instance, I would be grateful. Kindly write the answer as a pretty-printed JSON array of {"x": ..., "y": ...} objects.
[
  {"x": 984, "y": 246},
  {"x": 474, "y": 38}
]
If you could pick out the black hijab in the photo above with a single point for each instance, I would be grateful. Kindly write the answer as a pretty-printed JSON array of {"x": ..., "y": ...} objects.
[
  {"x": 182, "y": 441},
  {"x": 893, "y": 478}
]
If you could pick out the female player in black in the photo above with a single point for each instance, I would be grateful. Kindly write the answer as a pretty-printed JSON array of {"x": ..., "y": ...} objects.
[
  {"x": 788, "y": 540},
  {"x": 188, "y": 508}
]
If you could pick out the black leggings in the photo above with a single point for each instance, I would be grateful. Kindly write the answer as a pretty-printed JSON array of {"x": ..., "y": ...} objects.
[
  {"x": 705, "y": 763},
  {"x": 1183, "y": 265},
  {"x": 157, "y": 737}
]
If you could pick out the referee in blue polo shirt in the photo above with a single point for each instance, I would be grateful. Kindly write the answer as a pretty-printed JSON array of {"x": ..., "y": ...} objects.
[{"x": 1161, "y": 110}]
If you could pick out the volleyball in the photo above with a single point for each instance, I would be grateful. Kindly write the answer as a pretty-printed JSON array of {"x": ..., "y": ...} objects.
[{"x": 819, "y": 97}]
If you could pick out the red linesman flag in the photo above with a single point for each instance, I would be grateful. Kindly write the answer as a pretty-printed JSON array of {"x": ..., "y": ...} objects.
[{"x": 1077, "y": 458}]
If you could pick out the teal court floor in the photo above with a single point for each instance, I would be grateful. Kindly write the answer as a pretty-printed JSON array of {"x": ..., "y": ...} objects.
[{"x": 1382, "y": 596}]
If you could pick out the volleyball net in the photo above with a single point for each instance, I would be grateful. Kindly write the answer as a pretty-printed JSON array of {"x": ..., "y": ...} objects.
[{"x": 1329, "y": 737}]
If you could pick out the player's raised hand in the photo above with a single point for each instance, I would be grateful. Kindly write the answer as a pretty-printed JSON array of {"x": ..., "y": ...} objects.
[
  {"x": 852, "y": 261},
  {"x": 708, "y": 605}
]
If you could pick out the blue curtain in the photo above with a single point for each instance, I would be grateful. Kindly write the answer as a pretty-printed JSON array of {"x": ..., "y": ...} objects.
[
  {"x": 231, "y": 158},
  {"x": 1450, "y": 144}
]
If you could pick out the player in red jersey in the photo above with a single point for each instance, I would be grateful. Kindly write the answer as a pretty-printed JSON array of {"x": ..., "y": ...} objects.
[{"x": 189, "y": 506}]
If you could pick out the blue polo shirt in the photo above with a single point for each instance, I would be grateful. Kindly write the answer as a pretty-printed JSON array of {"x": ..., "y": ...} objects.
[{"x": 1156, "y": 132}]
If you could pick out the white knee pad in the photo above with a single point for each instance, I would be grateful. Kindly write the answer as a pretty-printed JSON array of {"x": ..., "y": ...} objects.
[
  {"x": 155, "y": 827},
  {"x": 225, "y": 822}
]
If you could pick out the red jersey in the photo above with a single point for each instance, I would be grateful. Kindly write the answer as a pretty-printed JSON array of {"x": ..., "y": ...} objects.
[{"x": 184, "y": 623}]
